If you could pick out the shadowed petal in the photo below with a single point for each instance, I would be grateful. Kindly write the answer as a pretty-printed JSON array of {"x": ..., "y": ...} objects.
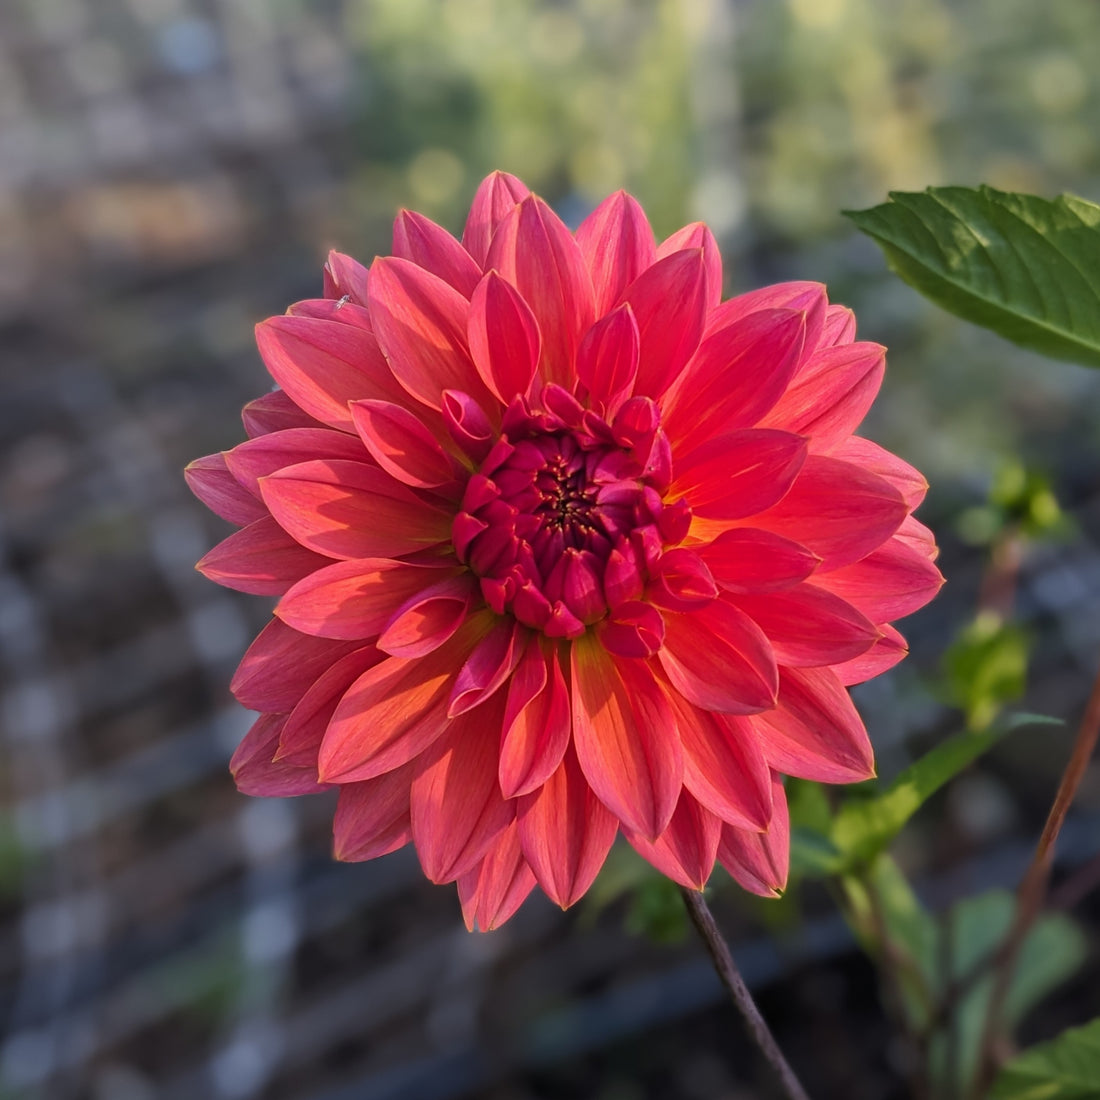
[
  {"x": 815, "y": 731},
  {"x": 686, "y": 850},
  {"x": 617, "y": 244},
  {"x": 372, "y": 817},
  {"x": 211, "y": 481},
  {"x": 428, "y": 619},
  {"x": 489, "y": 665},
  {"x": 300, "y": 740},
  {"x": 352, "y": 510},
  {"x": 274, "y": 412},
  {"x": 345, "y": 277},
  {"x": 498, "y": 885},
  {"x": 760, "y": 862},
  {"x": 456, "y": 805},
  {"x": 255, "y": 773},
  {"x": 607, "y": 359},
  {"x": 566, "y": 832},
  {"x": 257, "y": 458},
  {"x": 280, "y": 665},
  {"x": 419, "y": 240},
  {"x": 624, "y": 730},
  {"x": 261, "y": 559}
]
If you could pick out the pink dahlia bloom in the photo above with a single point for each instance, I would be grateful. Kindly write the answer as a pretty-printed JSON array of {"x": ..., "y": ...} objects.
[{"x": 565, "y": 545}]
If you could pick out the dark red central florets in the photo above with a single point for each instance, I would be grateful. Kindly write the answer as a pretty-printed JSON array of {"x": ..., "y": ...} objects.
[{"x": 565, "y": 521}]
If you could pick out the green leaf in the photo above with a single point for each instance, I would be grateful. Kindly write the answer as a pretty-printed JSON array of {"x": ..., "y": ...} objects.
[
  {"x": 864, "y": 827},
  {"x": 1066, "y": 1068},
  {"x": 986, "y": 667},
  {"x": 1026, "y": 267}
]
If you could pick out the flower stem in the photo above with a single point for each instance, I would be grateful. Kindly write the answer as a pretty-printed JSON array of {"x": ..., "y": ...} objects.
[
  {"x": 1032, "y": 890},
  {"x": 727, "y": 971}
]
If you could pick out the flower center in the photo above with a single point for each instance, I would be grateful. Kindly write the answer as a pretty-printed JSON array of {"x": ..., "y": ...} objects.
[{"x": 564, "y": 521}]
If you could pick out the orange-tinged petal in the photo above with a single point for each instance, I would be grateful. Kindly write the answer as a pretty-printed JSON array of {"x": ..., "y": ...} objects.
[
  {"x": 815, "y": 731},
  {"x": 456, "y": 805},
  {"x": 624, "y": 730},
  {"x": 401, "y": 443},
  {"x": 428, "y": 619},
  {"x": 566, "y": 832},
  {"x": 352, "y": 510},
  {"x": 498, "y": 885}
]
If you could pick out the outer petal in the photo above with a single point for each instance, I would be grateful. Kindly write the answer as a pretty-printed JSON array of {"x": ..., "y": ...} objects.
[
  {"x": 617, "y": 244},
  {"x": 393, "y": 712},
  {"x": 836, "y": 510},
  {"x": 808, "y": 298},
  {"x": 880, "y": 658},
  {"x": 495, "y": 200},
  {"x": 431, "y": 247},
  {"x": 698, "y": 235},
  {"x": 686, "y": 850},
  {"x": 345, "y": 277},
  {"x": 815, "y": 732},
  {"x": 538, "y": 255},
  {"x": 566, "y": 832},
  {"x": 504, "y": 338},
  {"x": 668, "y": 337},
  {"x": 256, "y": 774},
  {"x": 839, "y": 328},
  {"x": 280, "y": 665},
  {"x": 257, "y": 458},
  {"x": 400, "y": 442},
  {"x": 537, "y": 722},
  {"x": 831, "y": 394},
  {"x": 809, "y": 626},
  {"x": 719, "y": 659},
  {"x": 323, "y": 365},
  {"x": 210, "y": 480},
  {"x": 492, "y": 892},
  {"x": 890, "y": 583},
  {"x": 274, "y": 412},
  {"x": 421, "y": 325},
  {"x": 760, "y": 861},
  {"x": 301, "y": 737},
  {"x": 909, "y": 481},
  {"x": 261, "y": 559},
  {"x": 748, "y": 560},
  {"x": 624, "y": 730},
  {"x": 740, "y": 474},
  {"x": 372, "y": 818},
  {"x": 356, "y": 599},
  {"x": 352, "y": 510},
  {"x": 724, "y": 767},
  {"x": 456, "y": 805},
  {"x": 734, "y": 378}
]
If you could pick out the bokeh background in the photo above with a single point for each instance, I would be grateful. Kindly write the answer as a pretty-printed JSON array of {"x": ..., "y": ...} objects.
[{"x": 172, "y": 171}]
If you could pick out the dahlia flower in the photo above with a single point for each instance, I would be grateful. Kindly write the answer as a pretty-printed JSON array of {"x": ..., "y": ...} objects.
[{"x": 564, "y": 546}]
